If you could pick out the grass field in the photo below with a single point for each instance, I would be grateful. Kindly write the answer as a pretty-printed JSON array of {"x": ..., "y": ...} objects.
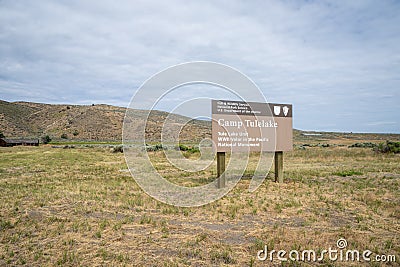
[{"x": 81, "y": 207}]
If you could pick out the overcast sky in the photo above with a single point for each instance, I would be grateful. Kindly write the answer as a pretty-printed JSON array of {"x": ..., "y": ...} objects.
[{"x": 337, "y": 62}]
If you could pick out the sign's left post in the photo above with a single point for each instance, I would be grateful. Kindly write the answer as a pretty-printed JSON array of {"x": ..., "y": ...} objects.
[{"x": 221, "y": 170}]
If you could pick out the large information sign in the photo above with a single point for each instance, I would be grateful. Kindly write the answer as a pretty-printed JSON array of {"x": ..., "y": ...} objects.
[{"x": 251, "y": 126}]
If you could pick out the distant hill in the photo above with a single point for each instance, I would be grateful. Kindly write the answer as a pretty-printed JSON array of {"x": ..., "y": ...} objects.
[
  {"x": 104, "y": 123},
  {"x": 86, "y": 122}
]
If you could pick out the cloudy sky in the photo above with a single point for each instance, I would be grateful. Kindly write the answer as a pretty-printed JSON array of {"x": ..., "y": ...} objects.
[{"x": 337, "y": 62}]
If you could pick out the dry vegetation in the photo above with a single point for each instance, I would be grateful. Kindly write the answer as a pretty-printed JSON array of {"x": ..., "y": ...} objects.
[
  {"x": 86, "y": 122},
  {"x": 80, "y": 207}
]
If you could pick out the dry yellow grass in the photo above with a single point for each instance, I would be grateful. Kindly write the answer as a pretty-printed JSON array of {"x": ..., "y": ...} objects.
[{"x": 80, "y": 207}]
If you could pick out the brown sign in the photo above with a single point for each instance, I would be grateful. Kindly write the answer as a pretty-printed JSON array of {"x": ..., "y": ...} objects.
[{"x": 243, "y": 126}]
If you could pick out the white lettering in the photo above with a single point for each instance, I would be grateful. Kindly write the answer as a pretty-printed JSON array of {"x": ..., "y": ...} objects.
[{"x": 227, "y": 123}]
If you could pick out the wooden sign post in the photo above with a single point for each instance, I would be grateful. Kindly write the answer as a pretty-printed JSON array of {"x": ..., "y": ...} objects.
[
  {"x": 279, "y": 166},
  {"x": 221, "y": 170}
]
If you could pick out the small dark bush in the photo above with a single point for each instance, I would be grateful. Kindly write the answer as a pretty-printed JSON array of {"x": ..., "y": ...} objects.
[
  {"x": 347, "y": 173},
  {"x": 388, "y": 147},
  {"x": 75, "y": 133},
  {"x": 64, "y": 136},
  {"x": 190, "y": 149},
  {"x": 118, "y": 149},
  {"x": 46, "y": 139},
  {"x": 156, "y": 147},
  {"x": 1, "y": 135},
  {"x": 194, "y": 150},
  {"x": 183, "y": 147},
  {"x": 363, "y": 145}
]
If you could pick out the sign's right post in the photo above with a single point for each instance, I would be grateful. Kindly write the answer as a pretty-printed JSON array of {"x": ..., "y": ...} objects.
[{"x": 279, "y": 166}]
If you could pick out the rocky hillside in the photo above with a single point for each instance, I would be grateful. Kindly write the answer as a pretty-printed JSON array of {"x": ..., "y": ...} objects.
[{"x": 85, "y": 122}]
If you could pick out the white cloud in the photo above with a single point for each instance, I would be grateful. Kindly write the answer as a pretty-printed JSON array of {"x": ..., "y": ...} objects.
[{"x": 339, "y": 55}]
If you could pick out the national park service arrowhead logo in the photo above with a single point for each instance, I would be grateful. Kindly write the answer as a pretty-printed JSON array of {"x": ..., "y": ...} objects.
[
  {"x": 285, "y": 110},
  {"x": 277, "y": 110}
]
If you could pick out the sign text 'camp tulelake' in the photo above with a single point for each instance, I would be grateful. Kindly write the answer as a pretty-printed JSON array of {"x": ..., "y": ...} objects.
[{"x": 243, "y": 126}]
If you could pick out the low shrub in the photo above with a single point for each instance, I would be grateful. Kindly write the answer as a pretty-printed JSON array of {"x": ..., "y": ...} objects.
[
  {"x": 46, "y": 139},
  {"x": 363, "y": 145},
  {"x": 190, "y": 149},
  {"x": 156, "y": 147},
  {"x": 118, "y": 149},
  {"x": 347, "y": 173},
  {"x": 388, "y": 147}
]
